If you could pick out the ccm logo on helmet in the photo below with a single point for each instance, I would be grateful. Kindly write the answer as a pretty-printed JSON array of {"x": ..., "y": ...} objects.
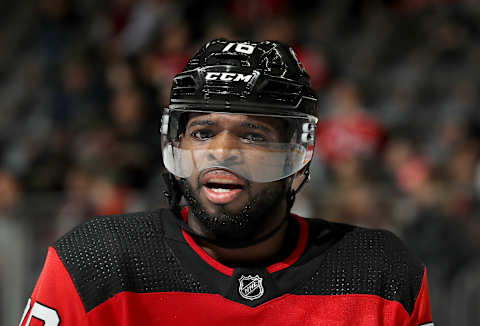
[{"x": 228, "y": 76}]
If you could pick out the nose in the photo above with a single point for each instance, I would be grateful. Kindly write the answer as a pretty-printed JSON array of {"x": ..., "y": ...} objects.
[{"x": 224, "y": 148}]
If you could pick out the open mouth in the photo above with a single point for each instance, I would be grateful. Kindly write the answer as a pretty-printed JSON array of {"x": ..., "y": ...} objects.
[{"x": 221, "y": 186}]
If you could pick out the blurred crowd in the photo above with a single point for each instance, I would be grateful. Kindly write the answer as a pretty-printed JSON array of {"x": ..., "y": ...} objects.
[{"x": 83, "y": 83}]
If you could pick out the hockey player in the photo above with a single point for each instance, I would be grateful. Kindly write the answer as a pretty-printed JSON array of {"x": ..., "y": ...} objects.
[{"x": 237, "y": 140}]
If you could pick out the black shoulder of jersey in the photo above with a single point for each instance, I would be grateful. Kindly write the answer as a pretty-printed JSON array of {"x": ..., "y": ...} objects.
[
  {"x": 110, "y": 254},
  {"x": 366, "y": 261}
]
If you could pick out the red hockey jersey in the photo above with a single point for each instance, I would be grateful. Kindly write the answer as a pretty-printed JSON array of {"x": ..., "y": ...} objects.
[{"x": 143, "y": 269}]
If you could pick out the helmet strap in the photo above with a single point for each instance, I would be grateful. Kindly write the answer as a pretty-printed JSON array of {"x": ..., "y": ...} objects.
[
  {"x": 293, "y": 192},
  {"x": 172, "y": 193}
]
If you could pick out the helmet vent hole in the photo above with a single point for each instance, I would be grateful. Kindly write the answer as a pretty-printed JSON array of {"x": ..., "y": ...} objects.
[
  {"x": 184, "y": 84},
  {"x": 185, "y": 81},
  {"x": 234, "y": 59},
  {"x": 275, "y": 87}
]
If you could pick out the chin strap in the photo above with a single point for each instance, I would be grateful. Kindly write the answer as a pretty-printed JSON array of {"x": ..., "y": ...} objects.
[
  {"x": 172, "y": 193},
  {"x": 293, "y": 193}
]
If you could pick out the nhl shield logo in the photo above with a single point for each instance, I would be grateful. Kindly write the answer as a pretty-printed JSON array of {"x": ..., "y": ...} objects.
[{"x": 251, "y": 287}]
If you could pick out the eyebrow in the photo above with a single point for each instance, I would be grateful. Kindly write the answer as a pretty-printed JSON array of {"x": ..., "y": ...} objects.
[
  {"x": 203, "y": 122},
  {"x": 254, "y": 125},
  {"x": 245, "y": 124}
]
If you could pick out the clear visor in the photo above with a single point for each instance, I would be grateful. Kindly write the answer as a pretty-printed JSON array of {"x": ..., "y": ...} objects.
[{"x": 260, "y": 148}]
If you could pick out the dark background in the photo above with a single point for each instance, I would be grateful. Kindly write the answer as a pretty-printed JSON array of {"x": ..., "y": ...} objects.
[{"x": 82, "y": 83}]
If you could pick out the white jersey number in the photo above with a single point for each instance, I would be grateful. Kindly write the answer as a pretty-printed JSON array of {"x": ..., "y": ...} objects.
[
  {"x": 241, "y": 47},
  {"x": 39, "y": 311}
]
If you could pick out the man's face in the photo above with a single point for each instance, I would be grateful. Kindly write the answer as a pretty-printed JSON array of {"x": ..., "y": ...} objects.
[{"x": 226, "y": 204}]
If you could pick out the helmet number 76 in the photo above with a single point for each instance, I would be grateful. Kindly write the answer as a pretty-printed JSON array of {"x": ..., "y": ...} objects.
[{"x": 241, "y": 47}]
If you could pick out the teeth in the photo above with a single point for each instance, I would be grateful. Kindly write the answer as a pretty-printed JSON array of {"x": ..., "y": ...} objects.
[{"x": 220, "y": 189}]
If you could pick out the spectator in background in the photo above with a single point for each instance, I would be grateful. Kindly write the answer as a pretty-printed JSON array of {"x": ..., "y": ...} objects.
[
  {"x": 145, "y": 17},
  {"x": 13, "y": 249},
  {"x": 76, "y": 204},
  {"x": 407, "y": 168},
  {"x": 349, "y": 131},
  {"x": 437, "y": 237},
  {"x": 75, "y": 103}
]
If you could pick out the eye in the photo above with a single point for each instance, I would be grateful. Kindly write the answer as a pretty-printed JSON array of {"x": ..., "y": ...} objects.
[
  {"x": 202, "y": 134},
  {"x": 253, "y": 137}
]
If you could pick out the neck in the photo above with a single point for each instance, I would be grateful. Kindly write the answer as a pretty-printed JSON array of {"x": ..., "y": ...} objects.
[{"x": 272, "y": 249}]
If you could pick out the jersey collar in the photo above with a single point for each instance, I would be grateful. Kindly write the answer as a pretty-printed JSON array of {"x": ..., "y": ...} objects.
[{"x": 287, "y": 262}]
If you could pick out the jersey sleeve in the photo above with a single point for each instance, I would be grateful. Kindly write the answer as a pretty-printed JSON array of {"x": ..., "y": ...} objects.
[
  {"x": 421, "y": 314},
  {"x": 55, "y": 300}
]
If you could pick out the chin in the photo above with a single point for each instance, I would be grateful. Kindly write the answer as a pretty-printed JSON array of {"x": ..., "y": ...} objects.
[
  {"x": 233, "y": 208},
  {"x": 242, "y": 218}
]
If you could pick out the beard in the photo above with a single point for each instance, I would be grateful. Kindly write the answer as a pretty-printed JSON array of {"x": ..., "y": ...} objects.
[{"x": 244, "y": 224}]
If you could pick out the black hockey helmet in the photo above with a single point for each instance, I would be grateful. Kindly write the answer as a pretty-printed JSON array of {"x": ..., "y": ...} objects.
[{"x": 256, "y": 77}]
